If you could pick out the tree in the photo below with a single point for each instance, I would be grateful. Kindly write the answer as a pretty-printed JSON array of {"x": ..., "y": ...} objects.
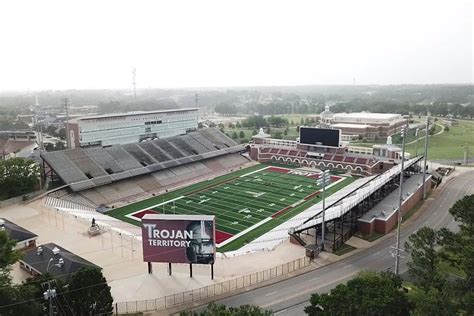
[
  {"x": 458, "y": 248},
  {"x": 59, "y": 145},
  {"x": 224, "y": 108},
  {"x": 89, "y": 294},
  {"x": 8, "y": 255},
  {"x": 234, "y": 135},
  {"x": 277, "y": 134},
  {"x": 241, "y": 134},
  {"x": 214, "y": 309},
  {"x": 370, "y": 293},
  {"x": 446, "y": 128},
  {"x": 238, "y": 125},
  {"x": 424, "y": 264},
  {"x": 11, "y": 295},
  {"x": 200, "y": 125},
  {"x": 18, "y": 176},
  {"x": 62, "y": 134}
]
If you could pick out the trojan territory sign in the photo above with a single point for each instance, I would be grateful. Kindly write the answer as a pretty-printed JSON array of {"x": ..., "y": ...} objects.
[{"x": 178, "y": 238}]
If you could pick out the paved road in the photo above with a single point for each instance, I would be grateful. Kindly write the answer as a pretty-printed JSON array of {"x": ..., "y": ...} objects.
[{"x": 290, "y": 296}]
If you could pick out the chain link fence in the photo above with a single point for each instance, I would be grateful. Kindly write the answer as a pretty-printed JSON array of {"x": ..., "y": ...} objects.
[{"x": 211, "y": 290}]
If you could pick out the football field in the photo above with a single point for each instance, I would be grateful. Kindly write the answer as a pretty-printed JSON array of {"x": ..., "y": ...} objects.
[{"x": 260, "y": 198}]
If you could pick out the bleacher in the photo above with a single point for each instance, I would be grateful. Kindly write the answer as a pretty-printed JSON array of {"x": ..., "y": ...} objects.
[
  {"x": 83, "y": 169},
  {"x": 155, "y": 151},
  {"x": 140, "y": 155},
  {"x": 104, "y": 159}
]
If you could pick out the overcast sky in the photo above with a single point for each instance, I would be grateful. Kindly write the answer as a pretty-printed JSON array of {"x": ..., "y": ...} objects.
[{"x": 96, "y": 44}]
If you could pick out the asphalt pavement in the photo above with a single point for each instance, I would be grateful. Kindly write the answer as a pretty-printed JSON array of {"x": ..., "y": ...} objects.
[{"x": 289, "y": 297}]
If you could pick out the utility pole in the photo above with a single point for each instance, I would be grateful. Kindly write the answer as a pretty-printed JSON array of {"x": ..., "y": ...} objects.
[
  {"x": 196, "y": 99},
  {"x": 416, "y": 141},
  {"x": 400, "y": 200},
  {"x": 426, "y": 156},
  {"x": 325, "y": 177},
  {"x": 466, "y": 154},
  {"x": 39, "y": 129},
  {"x": 134, "y": 75},
  {"x": 66, "y": 104},
  {"x": 48, "y": 295}
]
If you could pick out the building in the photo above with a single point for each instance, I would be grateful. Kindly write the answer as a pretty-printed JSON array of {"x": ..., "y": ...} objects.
[
  {"x": 23, "y": 237},
  {"x": 326, "y": 116},
  {"x": 13, "y": 148},
  {"x": 366, "y": 125},
  {"x": 132, "y": 127},
  {"x": 53, "y": 259}
]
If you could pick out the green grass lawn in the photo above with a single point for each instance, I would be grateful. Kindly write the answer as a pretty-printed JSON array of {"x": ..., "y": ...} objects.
[
  {"x": 448, "y": 145},
  {"x": 238, "y": 202}
]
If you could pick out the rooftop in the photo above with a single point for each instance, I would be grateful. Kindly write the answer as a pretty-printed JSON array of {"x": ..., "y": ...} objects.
[
  {"x": 93, "y": 117},
  {"x": 362, "y": 115},
  {"x": 42, "y": 263},
  {"x": 16, "y": 232},
  {"x": 349, "y": 125}
]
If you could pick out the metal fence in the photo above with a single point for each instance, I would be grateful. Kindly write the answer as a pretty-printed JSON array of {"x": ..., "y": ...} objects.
[{"x": 211, "y": 290}]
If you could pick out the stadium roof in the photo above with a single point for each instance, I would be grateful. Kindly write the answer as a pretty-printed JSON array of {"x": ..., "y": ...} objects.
[{"x": 93, "y": 117}]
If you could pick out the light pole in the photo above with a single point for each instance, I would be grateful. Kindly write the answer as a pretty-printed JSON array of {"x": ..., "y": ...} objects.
[
  {"x": 416, "y": 141},
  {"x": 400, "y": 200},
  {"x": 425, "y": 156},
  {"x": 325, "y": 177}
]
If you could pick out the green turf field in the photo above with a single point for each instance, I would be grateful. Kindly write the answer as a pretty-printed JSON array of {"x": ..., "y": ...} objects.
[{"x": 261, "y": 194}]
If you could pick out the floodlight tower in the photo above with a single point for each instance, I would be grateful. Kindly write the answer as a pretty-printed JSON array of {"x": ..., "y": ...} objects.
[
  {"x": 426, "y": 156},
  {"x": 67, "y": 101},
  {"x": 324, "y": 178},
  {"x": 134, "y": 75},
  {"x": 416, "y": 141},
  {"x": 400, "y": 200}
]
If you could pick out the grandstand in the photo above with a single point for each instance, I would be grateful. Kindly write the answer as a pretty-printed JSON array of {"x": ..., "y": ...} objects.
[
  {"x": 120, "y": 172},
  {"x": 264, "y": 149}
]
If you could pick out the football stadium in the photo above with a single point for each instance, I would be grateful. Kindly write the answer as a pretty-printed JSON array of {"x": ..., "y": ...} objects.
[{"x": 261, "y": 193}]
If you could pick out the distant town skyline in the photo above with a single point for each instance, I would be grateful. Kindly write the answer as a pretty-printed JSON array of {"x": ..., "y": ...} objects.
[{"x": 183, "y": 44}]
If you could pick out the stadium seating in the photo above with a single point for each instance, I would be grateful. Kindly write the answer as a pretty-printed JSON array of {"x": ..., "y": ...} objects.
[
  {"x": 123, "y": 158},
  {"x": 154, "y": 151},
  {"x": 196, "y": 147},
  {"x": 84, "y": 169},
  {"x": 205, "y": 142},
  {"x": 349, "y": 159},
  {"x": 104, "y": 159},
  {"x": 338, "y": 158},
  {"x": 140, "y": 155},
  {"x": 168, "y": 148}
]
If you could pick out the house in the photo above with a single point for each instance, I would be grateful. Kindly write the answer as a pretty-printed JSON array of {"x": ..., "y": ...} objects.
[
  {"x": 53, "y": 259},
  {"x": 23, "y": 237},
  {"x": 16, "y": 148}
]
